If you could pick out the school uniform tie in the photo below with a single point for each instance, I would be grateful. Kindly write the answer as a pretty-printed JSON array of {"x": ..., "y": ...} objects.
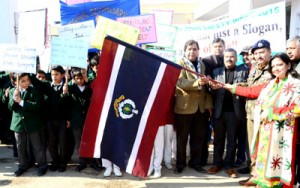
[
  {"x": 22, "y": 94},
  {"x": 56, "y": 87}
]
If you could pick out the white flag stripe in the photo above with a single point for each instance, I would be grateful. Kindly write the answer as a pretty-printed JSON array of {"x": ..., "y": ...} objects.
[
  {"x": 144, "y": 117},
  {"x": 108, "y": 98}
]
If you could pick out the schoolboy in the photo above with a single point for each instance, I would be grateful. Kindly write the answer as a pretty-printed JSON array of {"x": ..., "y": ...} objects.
[
  {"x": 10, "y": 82},
  {"x": 94, "y": 63},
  {"x": 25, "y": 103},
  {"x": 57, "y": 124},
  {"x": 80, "y": 95}
]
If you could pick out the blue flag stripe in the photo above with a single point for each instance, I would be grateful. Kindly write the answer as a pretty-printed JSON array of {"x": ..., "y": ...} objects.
[
  {"x": 108, "y": 98},
  {"x": 145, "y": 116}
]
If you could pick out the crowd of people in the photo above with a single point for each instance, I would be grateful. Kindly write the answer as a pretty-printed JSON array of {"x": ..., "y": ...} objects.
[{"x": 251, "y": 110}]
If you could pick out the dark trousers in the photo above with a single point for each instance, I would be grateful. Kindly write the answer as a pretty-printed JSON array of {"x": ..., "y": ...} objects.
[
  {"x": 242, "y": 142},
  {"x": 9, "y": 134},
  {"x": 196, "y": 126},
  {"x": 225, "y": 128},
  {"x": 38, "y": 148},
  {"x": 57, "y": 142},
  {"x": 77, "y": 132}
]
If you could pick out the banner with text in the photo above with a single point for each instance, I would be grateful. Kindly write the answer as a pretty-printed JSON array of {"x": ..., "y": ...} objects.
[
  {"x": 69, "y": 52},
  {"x": 16, "y": 58},
  {"x": 146, "y": 25},
  {"x": 267, "y": 22},
  {"x": 113, "y": 28},
  {"x": 90, "y": 10}
]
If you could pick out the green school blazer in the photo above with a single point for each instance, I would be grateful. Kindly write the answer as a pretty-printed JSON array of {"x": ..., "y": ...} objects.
[{"x": 27, "y": 118}]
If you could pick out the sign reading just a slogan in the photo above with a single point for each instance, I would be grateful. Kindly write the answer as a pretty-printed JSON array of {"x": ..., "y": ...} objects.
[{"x": 267, "y": 23}]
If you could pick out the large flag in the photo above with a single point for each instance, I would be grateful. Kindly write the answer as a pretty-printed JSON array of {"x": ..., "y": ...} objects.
[{"x": 130, "y": 97}]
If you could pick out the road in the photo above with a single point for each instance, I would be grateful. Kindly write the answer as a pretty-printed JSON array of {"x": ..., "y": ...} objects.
[{"x": 90, "y": 178}]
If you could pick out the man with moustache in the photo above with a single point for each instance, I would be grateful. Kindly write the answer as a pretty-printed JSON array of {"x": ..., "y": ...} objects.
[
  {"x": 216, "y": 59},
  {"x": 293, "y": 51},
  {"x": 192, "y": 110},
  {"x": 229, "y": 113}
]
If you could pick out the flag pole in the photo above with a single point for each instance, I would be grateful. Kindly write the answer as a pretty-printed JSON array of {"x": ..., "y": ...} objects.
[{"x": 201, "y": 75}]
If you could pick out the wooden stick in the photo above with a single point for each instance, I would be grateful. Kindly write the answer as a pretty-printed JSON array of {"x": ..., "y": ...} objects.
[
  {"x": 201, "y": 75},
  {"x": 66, "y": 75}
]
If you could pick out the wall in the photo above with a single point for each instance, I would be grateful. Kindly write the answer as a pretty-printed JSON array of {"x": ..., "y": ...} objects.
[
  {"x": 7, "y": 34},
  {"x": 295, "y": 18}
]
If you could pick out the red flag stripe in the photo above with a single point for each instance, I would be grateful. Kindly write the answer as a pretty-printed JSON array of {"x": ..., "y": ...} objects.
[
  {"x": 88, "y": 139},
  {"x": 158, "y": 110},
  {"x": 144, "y": 117}
]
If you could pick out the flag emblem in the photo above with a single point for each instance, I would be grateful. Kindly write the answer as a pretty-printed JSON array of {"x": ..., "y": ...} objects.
[
  {"x": 131, "y": 96},
  {"x": 125, "y": 108}
]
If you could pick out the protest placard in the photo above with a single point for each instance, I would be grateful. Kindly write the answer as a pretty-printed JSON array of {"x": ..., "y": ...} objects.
[
  {"x": 32, "y": 29},
  {"x": 146, "y": 25},
  {"x": 82, "y": 31},
  {"x": 16, "y": 58},
  {"x": 113, "y": 28},
  {"x": 69, "y": 52},
  {"x": 167, "y": 54},
  {"x": 165, "y": 35}
]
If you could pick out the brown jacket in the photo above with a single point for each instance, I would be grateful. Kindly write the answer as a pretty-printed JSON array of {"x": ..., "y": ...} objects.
[{"x": 189, "y": 96}]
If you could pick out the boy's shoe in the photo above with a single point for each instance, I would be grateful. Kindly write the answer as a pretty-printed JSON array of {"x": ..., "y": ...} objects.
[
  {"x": 53, "y": 167},
  {"x": 150, "y": 171},
  {"x": 169, "y": 166},
  {"x": 42, "y": 171},
  {"x": 117, "y": 172},
  {"x": 107, "y": 172},
  {"x": 62, "y": 168},
  {"x": 157, "y": 174},
  {"x": 19, "y": 172},
  {"x": 96, "y": 167},
  {"x": 80, "y": 167}
]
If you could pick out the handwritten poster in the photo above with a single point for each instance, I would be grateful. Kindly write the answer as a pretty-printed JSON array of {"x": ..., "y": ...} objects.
[
  {"x": 165, "y": 35},
  {"x": 167, "y": 54},
  {"x": 81, "y": 31},
  {"x": 146, "y": 25},
  {"x": 69, "y": 52},
  {"x": 113, "y": 28},
  {"x": 16, "y": 58}
]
